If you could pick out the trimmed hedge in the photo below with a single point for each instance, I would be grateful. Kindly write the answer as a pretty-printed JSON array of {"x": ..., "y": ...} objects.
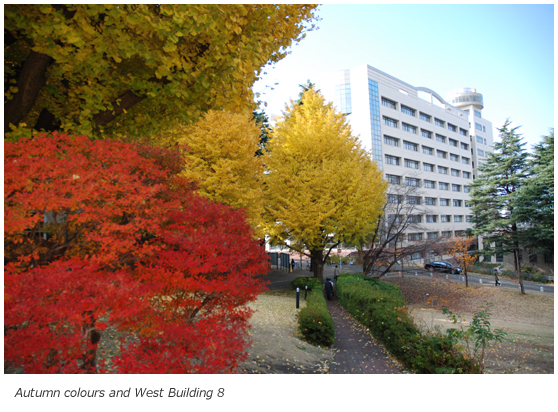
[
  {"x": 381, "y": 308},
  {"x": 314, "y": 321},
  {"x": 311, "y": 282}
]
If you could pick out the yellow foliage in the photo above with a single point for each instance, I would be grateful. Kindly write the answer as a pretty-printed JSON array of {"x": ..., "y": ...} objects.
[
  {"x": 221, "y": 151},
  {"x": 321, "y": 184}
]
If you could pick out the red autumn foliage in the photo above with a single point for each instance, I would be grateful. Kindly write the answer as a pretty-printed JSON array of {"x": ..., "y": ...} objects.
[{"x": 100, "y": 232}]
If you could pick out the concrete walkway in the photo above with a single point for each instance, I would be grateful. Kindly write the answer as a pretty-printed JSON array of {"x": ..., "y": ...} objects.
[{"x": 356, "y": 352}]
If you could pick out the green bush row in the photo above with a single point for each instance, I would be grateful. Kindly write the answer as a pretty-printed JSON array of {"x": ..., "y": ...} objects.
[
  {"x": 381, "y": 308},
  {"x": 314, "y": 322},
  {"x": 306, "y": 281}
]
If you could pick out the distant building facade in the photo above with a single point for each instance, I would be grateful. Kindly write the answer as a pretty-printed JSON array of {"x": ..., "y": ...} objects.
[{"x": 419, "y": 140}]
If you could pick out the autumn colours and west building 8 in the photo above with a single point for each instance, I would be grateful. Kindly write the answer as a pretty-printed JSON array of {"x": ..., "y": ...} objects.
[{"x": 419, "y": 139}]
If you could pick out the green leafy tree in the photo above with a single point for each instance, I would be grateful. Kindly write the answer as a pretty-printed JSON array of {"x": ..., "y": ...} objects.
[
  {"x": 262, "y": 121},
  {"x": 322, "y": 188},
  {"x": 305, "y": 87},
  {"x": 494, "y": 196},
  {"x": 110, "y": 70},
  {"x": 535, "y": 202}
]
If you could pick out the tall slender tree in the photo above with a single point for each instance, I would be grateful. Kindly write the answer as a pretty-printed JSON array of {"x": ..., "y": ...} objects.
[
  {"x": 322, "y": 187},
  {"x": 494, "y": 196}
]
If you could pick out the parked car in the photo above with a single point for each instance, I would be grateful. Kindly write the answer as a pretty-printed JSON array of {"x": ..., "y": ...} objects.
[{"x": 442, "y": 267}]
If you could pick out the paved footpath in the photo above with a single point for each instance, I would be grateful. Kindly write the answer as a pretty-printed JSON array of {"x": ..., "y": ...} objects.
[{"x": 355, "y": 350}]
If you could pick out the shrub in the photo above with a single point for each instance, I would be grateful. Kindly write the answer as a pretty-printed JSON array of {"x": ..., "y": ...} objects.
[
  {"x": 381, "y": 308},
  {"x": 314, "y": 322},
  {"x": 312, "y": 283}
]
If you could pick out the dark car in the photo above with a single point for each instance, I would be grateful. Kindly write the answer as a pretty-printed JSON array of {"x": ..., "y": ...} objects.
[{"x": 442, "y": 267}]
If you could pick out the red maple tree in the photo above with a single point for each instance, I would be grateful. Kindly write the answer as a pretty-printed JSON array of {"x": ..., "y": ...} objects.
[{"x": 104, "y": 232}]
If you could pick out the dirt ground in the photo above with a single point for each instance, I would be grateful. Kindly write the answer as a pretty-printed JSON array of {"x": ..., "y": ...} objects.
[
  {"x": 528, "y": 320},
  {"x": 277, "y": 346}
]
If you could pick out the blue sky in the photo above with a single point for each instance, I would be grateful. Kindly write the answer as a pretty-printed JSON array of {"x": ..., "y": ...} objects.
[{"x": 506, "y": 52}]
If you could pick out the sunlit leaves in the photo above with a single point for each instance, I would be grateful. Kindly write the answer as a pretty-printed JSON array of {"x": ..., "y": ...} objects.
[{"x": 106, "y": 230}]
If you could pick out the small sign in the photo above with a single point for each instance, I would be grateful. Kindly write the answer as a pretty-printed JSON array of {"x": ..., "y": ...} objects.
[{"x": 338, "y": 250}]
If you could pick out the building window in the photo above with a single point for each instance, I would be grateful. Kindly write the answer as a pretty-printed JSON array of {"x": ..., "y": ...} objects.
[
  {"x": 456, "y": 188},
  {"x": 478, "y": 126},
  {"x": 478, "y": 114},
  {"x": 430, "y": 184},
  {"x": 409, "y": 128},
  {"x": 469, "y": 219},
  {"x": 445, "y": 218},
  {"x": 414, "y": 237},
  {"x": 413, "y": 200},
  {"x": 480, "y": 139},
  {"x": 414, "y": 218},
  {"x": 549, "y": 258},
  {"x": 425, "y": 117},
  {"x": 484, "y": 129},
  {"x": 466, "y": 175},
  {"x": 460, "y": 233},
  {"x": 389, "y": 103},
  {"x": 443, "y": 186},
  {"x": 394, "y": 199},
  {"x": 431, "y": 218},
  {"x": 428, "y": 167},
  {"x": 416, "y": 255},
  {"x": 430, "y": 201},
  {"x": 441, "y": 154},
  {"x": 462, "y": 132},
  {"x": 411, "y": 164},
  {"x": 408, "y": 110},
  {"x": 467, "y": 204},
  {"x": 499, "y": 257},
  {"x": 426, "y": 133},
  {"x": 452, "y": 127},
  {"x": 464, "y": 146},
  {"x": 455, "y": 172},
  {"x": 431, "y": 235},
  {"x": 454, "y": 157},
  {"x": 394, "y": 219},
  {"x": 440, "y": 138},
  {"x": 444, "y": 202},
  {"x": 480, "y": 152},
  {"x": 411, "y": 181},
  {"x": 446, "y": 234},
  {"x": 410, "y": 146},
  {"x": 457, "y": 202},
  {"x": 466, "y": 188},
  {"x": 453, "y": 142},
  {"x": 392, "y": 160},
  {"x": 442, "y": 170},
  {"x": 464, "y": 160},
  {"x": 427, "y": 150},
  {"x": 389, "y": 122},
  {"x": 392, "y": 141},
  {"x": 394, "y": 180},
  {"x": 439, "y": 122},
  {"x": 532, "y": 257},
  {"x": 458, "y": 218}
]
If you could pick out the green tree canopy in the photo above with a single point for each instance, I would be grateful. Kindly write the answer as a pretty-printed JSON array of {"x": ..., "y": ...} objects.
[
  {"x": 322, "y": 187},
  {"x": 106, "y": 70},
  {"x": 535, "y": 203},
  {"x": 494, "y": 193}
]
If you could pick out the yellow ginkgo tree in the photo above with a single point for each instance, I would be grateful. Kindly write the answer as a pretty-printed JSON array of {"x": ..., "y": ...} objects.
[
  {"x": 322, "y": 187},
  {"x": 221, "y": 152}
]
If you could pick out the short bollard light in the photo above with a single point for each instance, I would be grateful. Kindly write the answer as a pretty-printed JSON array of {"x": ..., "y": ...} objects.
[
  {"x": 480, "y": 280},
  {"x": 297, "y": 298},
  {"x": 446, "y": 276},
  {"x": 305, "y": 291},
  {"x": 462, "y": 277},
  {"x": 542, "y": 289},
  {"x": 416, "y": 274}
]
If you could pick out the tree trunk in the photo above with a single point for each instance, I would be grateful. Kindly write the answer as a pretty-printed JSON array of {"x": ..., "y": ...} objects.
[
  {"x": 318, "y": 263},
  {"x": 466, "y": 279},
  {"x": 29, "y": 84},
  {"x": 518, "y": 270}
]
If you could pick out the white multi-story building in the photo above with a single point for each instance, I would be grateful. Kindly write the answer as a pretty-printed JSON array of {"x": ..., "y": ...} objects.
[{"x": 419, "y": 140}]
